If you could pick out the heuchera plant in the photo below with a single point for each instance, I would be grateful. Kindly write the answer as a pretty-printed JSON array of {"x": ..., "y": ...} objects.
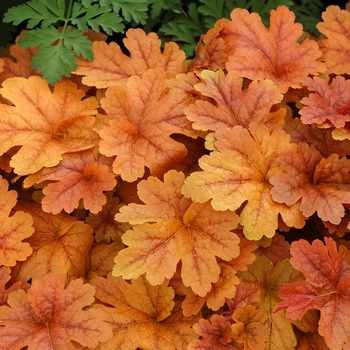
[{"x": 145, "y": 200}]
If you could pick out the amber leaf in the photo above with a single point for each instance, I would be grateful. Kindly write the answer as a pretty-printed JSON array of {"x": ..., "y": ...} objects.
[
  {"x": 112, "y": 67},
  {"x": 138, "y": 125},
  {"x": 170, "y": 228},
  {"x": 255, "y": 52},
  {"x": 142, "y": 315},
  {"x": 51, "y": 317},
  {"x": 240, "y": 172},
  {"x": 46, "y": 124},
  {"x": 14, "y": 228}
]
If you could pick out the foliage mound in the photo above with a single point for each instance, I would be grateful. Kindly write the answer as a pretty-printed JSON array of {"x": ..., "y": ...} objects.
[{"x": 149, "y": 202}]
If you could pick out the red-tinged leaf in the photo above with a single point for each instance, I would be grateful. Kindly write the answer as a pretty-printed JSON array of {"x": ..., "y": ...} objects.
[
  {"x": 60, "y": 244},
  {"x": 253, "y": 333},
  {"x": 326, "y": 289},
  {"x": 233, "y": 106},
  {"x": 240, "y": 172},
  {"x": 321, "y": 184},
  {"x": 244, "y": 296},
  {"x": 269, "y": 279},
  {"x": 216, "y": 335},
  {"x": 141, "y": 119},
  {"x": 327, "y": 104},
  {"x": 51, "y": 317},
  {"x": 335, "y": 49},
  {"x": 256, "y": 53},
  {"x": 103, "y": 223},
  {"x": 82, "y": 175},
  {"x": 112, "y": 67},
  {"x": 322, "y": 139},
  {"x": 170, "y": 228},
  {"x": 4, "y": 278},
  {"x": 46, "y": 124},
  {"x": 142, "y": 315},
  {"x": 277, "y": 251},
  {"x": 13, "y": 229}
]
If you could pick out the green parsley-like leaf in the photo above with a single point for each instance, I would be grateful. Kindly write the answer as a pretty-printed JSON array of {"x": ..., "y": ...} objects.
[
  {"x": 186, "y": 28},
  {"x": 36, "y": 11},
  {"x": 96, "y": 16},
  {"x": 132, "y": 10},
  {"x": 56, "y": 61}
]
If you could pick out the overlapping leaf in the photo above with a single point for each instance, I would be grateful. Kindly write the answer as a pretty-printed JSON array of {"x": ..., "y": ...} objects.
[
  {"x": 240, "y": 172},
  {"x": 169, "y": 228},
  {"x": 256, "y": 53},
  {"x": 103, "y": 223},
  {"x": 326, "y": 289},
  {"x": 51, "y": 317},
  {"x": 60, "y": 244},
  {"x": 234, "y": 106},
  {"x": 216, "y": 334},
  {"x": 323, "y": 185},
  {"x": 83, "y": 175},
  {"x": 45, "y": 124},
  {"x": 112, "y": 67},
  {"x": 142, "y": 315},
  {"x": 14, "y": 228},
  {"x": 141, "y": 119},
  {"x": 326, "y": 104},
  {"x": 269, "y": 280},
  {"x": 336, "y": 49}
]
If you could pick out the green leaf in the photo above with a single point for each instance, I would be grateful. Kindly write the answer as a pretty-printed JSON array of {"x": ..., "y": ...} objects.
[
  {"x": 132, "y": 10},
  {"x": 36, "y": 11},
  {"x": 95, "y": 17},
  {"x": 186, "y": 28},
  {"x": 56, "y": 61}
]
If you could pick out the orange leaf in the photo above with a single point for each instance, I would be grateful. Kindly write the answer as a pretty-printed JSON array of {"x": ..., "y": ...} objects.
[
  {"x": 321, "y": 184},
  {"x": 216, "y": 334},
  {"x": 83, "y": 175},
  {"x": 141, "y": 119},
  {"x": 51, "y": 317},
  {"x": 211, "y": 55},
  {"x": 169, "y": 228},
  {"x": 240, "y": 172},
  {"x": 142, "y": 315},
  {"x": 111, "y": 67},
  {"x": 101, "y": 257},
  {"x": 326, "y": 289},
  {"x": 60, "y": 244},
  {"x": 233, "y": 106},
  {"x": 256, "y": 53},
  {"x": 14, "y": 229},
  {"x": 335, "y": 49},
  {"x": 103, "y": 223},
  {"x": 45, "y": 124},
  {"x": 4, "y": 278},
  {"x": 326, "y": 104},
  {"x": 249, "y": 328}
]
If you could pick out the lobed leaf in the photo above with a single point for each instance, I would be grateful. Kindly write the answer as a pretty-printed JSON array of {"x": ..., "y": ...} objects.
[
  {"x": 326, "y": 288},
  {"x": 51, "y": 317}
]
